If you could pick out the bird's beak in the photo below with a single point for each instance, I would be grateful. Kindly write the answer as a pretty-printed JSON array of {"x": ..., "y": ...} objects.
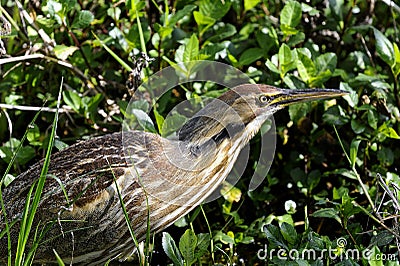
[{"x": 287, "y": 97}]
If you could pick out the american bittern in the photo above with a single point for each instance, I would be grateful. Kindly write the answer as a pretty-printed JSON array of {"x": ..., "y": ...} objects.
[{"x": 83, "y": 216}]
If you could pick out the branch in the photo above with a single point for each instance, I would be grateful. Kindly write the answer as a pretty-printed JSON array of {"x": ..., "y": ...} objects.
[
  {"x": 63, "y": 109},
  {"x": 392, "y": 4}
]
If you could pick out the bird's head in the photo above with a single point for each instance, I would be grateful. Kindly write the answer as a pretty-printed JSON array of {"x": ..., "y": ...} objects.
[{"x": 241, "y": 111}]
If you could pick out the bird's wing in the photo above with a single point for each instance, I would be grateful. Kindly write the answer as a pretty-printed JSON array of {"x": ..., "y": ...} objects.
[{"x": 77, "y": 175}]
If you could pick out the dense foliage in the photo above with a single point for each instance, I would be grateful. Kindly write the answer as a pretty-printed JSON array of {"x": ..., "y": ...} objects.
[{"x": 334, "y": 181}]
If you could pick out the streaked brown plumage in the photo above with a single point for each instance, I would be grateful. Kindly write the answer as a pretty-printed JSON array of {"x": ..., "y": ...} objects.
[{"x": 88, "y": 226}]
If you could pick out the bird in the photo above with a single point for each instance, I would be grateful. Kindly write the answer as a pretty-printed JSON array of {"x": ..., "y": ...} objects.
[{"x": 157, "y": 180}]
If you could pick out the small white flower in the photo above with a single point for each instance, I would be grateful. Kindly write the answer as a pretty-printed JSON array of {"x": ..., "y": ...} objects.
[{"x": 290, "y": 206}]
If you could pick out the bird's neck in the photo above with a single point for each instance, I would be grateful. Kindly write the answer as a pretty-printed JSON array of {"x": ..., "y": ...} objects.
[{"x": 204, "y": 132}]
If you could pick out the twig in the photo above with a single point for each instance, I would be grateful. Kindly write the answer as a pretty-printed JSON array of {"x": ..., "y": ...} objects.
[
  {"x": 10, "y": 125},
  {"x": 392, "y": 4},
  {"x": 64, "y": 109},
  {"x": 353, "y": 168},
  {"x": 367, "y": 50},
  {"x": 389, "y": 192},
  {"x": 76, "y": 70},
  {"x": 47, "y": 40}
]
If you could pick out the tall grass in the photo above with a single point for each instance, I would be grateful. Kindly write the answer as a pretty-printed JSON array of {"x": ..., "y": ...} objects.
[{"x": 22, "y": 256}]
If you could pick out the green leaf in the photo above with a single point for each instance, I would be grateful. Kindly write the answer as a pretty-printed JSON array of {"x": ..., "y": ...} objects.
[
  {"x": 250, "y": 55},
  {"x": 73, "y": 100},
  {"x": 202, "y": 19},
  {"x": 357, "y": 126},
  {"x": 288, "y": 31},
  {"x": 296, "y": 38},
  {"x": 8, "y": 179},
  {"x": 69, "y": 4},
  {"x": 375, "y": 258},
  {"x": 388, "y": 131},
  {"x": 159, "y": 121},
  {"x": 222, "y": 32},
  {"x": 327, "y": 213},
  {"x": 348, "y": 209},
  {"x": 298, "y": 111},
  {"x": 60, "y": 145},
  {"x": 336, "y": 8},
  {"x": 83, "y": 20},
  {"x": 384, "y": 48},
  {"x": 293, "y": 82},
  {"x": 224, "y": 238},
  {"x": 249, "y": 4},
  {"x": 171, "y": 249},
  {"x": 353, "y": 151},
  {"x": 383, "y": 238},
  {"x": 32, "y": 204},
  {"x": 274, "y": 236},
  {"x": 396, "y": 66},
  {"x": 286, "y": 218},
  {"x": 340, "y": 192},
  {"x": 352, "y": 97},
  {"x": 326, "y": 62},
  {"x": 346, "y": 173},
  {"x": 187, "y": 245},
  {"x": 372, "y": 116},
  {"x": 305, "y": 66},
  {"x": 320, "y": 79},
  {"x": 187, "y": 10},
  {"x": 313, "y": 179},
  {"x": 385, "y": 156},
  {"x": 335, "y": 115},
  {"x": 181, "y": 222},
  {"x": 135, "y": 6},
  {"x": 33, "y": 135},
  {"x": 267, "y": 38},
  {"x": 63, "y": 52},
  {"x": 271, "y": 66},
  {"x": 144, "y": 120},
  {"x": 172, "y": 123},
  {"x": 230, "y": 193},
  {"x": 288, "y": 232},
  {"x": 92, "y": 104},
  {"x": 191, "y": 49},
  {"x": 309, "y": 9},
  {"x": 53, "y": 7},
  {"x": 287, "y": 59},
  {"x": 291, "y": 14},
  {"x": 214, "y": 9},
  {"x": 203, "y": 242},
  {"x": 114, "y": 12}
]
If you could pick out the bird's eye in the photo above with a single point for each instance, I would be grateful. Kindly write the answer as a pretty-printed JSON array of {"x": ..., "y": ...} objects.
[{"x": 264, "y": 99}]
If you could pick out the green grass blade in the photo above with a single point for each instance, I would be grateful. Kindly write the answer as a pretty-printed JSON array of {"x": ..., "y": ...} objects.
[
  {"x": 18, "y": 149},
  {"x": 209, "y": 231},
  {"x": 3, "y": 209},
  {"x": 22, "y": 231},
  {"x": 141, "y": 36},
  {"x": 116, "y": 57},
  {"x": 128, "y": 221},
  {"x": 27, "y": 221},
  {"x": 59, "y": 260}
]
